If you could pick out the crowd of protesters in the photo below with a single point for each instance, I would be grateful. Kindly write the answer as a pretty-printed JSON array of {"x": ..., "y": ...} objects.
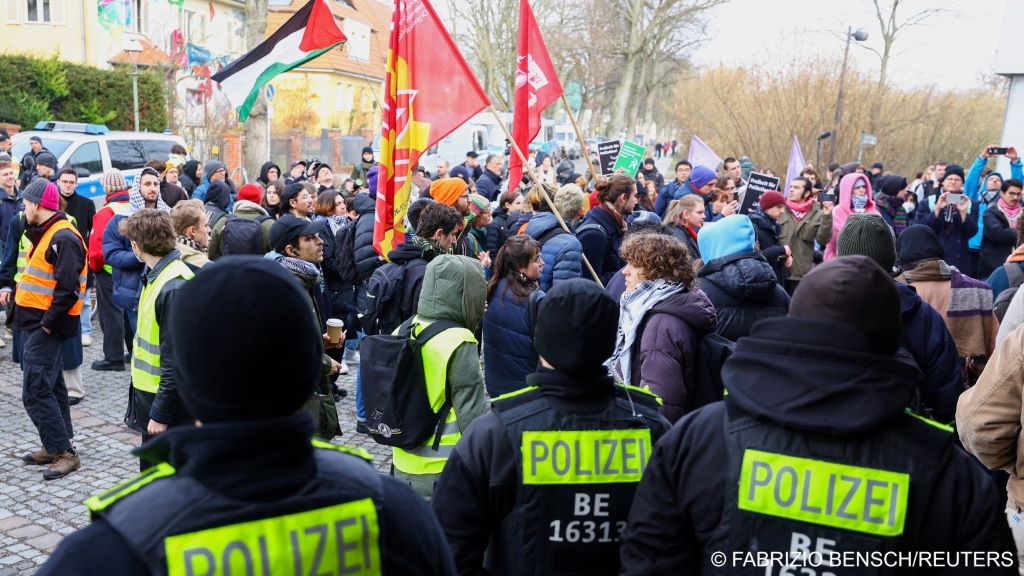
[{"x": 604, "y": 361}]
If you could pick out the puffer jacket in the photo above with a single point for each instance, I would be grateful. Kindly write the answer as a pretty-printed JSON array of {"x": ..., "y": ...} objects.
[
  {"x": 928, "y": 340},
  {"x": 562, "y": 253},
  {"x": 508, "y": 347},
  {"x": 366, "y": 258},
  {"x": 125, "y": 267},
  {"x": 744, "y": 290},
  {"x": 664, "y": 353}
]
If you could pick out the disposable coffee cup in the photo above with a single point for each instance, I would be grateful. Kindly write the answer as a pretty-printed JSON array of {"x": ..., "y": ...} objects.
[{"x": 334, "y": 328}]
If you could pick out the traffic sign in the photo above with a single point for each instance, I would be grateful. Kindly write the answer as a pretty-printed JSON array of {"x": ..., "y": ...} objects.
[{"x": 271, "y": 91}]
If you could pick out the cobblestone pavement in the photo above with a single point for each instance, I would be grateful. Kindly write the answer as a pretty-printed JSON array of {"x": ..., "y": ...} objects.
[{"x": 35, "y": 514}]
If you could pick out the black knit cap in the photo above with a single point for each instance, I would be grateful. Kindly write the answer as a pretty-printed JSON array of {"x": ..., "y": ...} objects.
[
  {"x": 954, "y": 169},
  {"x": 868, "y": 235},
  {"x": 247, "y": 345},
  {"x": 917, "y": 243},
  {"x": 855, "y": 291},
  {"x": 576, "y": 326}
]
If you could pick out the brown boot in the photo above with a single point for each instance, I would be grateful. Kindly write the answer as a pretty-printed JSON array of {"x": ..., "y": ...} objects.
[
  {"x": 64, "y": 463},
  {"x": 39, "y": 457}
]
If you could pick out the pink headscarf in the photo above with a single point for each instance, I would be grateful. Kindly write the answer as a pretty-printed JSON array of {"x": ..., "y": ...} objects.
[{"x": 844, "y": 208}]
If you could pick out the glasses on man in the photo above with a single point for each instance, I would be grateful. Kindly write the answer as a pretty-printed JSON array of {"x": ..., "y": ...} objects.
[{"x": 73, "y": 182}]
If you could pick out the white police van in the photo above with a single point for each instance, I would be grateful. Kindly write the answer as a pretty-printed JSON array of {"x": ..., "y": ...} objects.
[{"x": 92, "y": 149}]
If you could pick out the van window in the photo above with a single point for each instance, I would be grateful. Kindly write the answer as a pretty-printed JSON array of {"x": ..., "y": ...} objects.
[
  {"x": 22, "y": 145},
  {"x": 87, "y": 156},
  {"x": 158, "y": 149},
  {"x": 126, "y": 154}
]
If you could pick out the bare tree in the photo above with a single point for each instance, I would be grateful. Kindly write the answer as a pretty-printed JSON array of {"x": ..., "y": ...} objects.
[
  {"x": 642, "y": 20},
  {"x": 890, "y": 26}
]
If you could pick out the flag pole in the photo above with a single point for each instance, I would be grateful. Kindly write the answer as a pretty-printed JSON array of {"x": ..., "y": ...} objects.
[
  {"x": 539, "y": 186},
  {"x": 579, "y": 136}
]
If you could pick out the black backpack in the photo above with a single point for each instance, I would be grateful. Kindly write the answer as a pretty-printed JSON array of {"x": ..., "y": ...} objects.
[
  {"x": 345, "y": 252},
  {"x": 1016, "y": 277},
  {"x": 381, "y": 311},
  {"x": 243, "y": 236},
  {"x": 398, "y": 411},
  {"x": 213, "y": 215}
]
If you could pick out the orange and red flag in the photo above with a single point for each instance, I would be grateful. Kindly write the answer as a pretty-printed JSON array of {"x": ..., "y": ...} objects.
[{"x": 429, "y": 92}]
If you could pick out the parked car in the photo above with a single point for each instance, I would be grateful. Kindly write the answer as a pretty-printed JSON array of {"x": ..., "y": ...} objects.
[{"x": 92, "y": 149}]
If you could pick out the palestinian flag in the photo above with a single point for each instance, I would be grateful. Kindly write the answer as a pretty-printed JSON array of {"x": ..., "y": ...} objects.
[{"x": 305, "y": 36}]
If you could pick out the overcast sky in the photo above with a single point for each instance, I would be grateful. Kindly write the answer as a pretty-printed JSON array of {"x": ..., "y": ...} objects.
[{"x": 950, "y": 49}]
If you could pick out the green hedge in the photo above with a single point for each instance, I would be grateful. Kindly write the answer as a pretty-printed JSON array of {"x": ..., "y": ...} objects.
[{"x": 34, "y": 89}]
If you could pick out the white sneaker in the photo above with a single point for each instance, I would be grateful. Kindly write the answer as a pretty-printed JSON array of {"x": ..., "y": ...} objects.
[
  {"x": 2, "y": 343},
  {"x": 343, "y": 369},
  {"x": 86, "y": 340},
  {"x": 352, "y": 356}
]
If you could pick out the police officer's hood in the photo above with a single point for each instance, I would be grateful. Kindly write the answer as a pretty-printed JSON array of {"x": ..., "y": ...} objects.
[
  {"x": 831, "y": 367},
  {"x": 453, "y": 289}
]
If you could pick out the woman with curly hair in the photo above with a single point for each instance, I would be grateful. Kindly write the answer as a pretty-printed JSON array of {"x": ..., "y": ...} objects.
[{"x": 663, "y": 316}]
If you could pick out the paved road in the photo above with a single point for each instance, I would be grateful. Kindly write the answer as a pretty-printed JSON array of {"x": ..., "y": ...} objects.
[{"x": 35, "y": 515}]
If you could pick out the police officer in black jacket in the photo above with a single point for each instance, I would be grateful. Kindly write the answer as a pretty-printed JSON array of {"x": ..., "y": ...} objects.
[
  {"x": 245, "y": 491},
  {"x": 812, "y": 456},
  {"x": 542, "y": 485}
]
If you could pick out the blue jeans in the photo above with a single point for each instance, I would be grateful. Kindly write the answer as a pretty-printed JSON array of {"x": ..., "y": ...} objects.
[
  {"x": 353, "y": 344},
  {"x": 87, "y": 315}
]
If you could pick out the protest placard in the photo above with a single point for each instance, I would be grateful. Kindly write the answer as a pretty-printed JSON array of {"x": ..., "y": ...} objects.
[
  {"x": 607, "y": 152},
  {"x": 629, "y": 159},
  {"x": 757, "y": 184}
]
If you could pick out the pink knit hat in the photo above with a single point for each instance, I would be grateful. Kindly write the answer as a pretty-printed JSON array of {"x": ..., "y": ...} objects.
[{"x": 43, "y": 192}]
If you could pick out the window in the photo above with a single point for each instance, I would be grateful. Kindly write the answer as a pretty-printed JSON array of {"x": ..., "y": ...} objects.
[
  {"x": 280, "y": 2},
  {"x": 126, "y": 154},
  {"x": 87, "y": 156},
  {"x": 157, "y": 149},
  {"x": 38, "y": 11},
  {"x": 358, "y": 35}
]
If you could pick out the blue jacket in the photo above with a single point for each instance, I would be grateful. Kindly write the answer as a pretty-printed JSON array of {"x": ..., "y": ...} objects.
[
  {"x": 999, "y": 280},
  {"x": 488, "y": 185},
  {"x": 127, "y": 270},
  {"x": 669, "y": 192},
  {"x": 973, "y": 185},
  {"x": 954, "y": 241},
  {"x": 507, "y": 343},
  {"x": 928, "y": 340},
  {"x": 562, "y": 253},
  {"x": 601, "y": 240},
  {"x": 9, "y": 208}
]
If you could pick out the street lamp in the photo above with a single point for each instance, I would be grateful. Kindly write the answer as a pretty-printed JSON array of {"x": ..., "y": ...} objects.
[
  {"x": 859, "y": 35},
  {"x": 817, "y": 156}
]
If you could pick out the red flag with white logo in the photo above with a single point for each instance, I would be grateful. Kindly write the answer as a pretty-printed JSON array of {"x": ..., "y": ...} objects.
[{"x": 537, "y": 86}]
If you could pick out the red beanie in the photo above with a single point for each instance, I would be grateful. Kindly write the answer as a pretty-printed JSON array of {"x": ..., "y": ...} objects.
[
  {"x": 771, "y": 199},
  {"x": 251, "y": 192}
]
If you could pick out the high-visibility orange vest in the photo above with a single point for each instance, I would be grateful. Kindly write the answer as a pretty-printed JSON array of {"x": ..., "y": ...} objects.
[{"x": 38, "y": 283}]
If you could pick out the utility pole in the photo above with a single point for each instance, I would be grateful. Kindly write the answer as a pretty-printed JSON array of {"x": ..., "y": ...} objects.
[
  {"x": 859, "y": 35},
  {"x": 257, "y": 129}
]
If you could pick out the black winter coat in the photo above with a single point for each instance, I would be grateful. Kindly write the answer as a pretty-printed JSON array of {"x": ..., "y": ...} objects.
[
  {"x": 744, "y": 289},
  {"x": 601, "y": 244},
  {"x": 366, "y": 258},
  {"x": 997, "y": 241},
  {"x": 818, "y": 382},
  {"x": 771, "y": 247}
]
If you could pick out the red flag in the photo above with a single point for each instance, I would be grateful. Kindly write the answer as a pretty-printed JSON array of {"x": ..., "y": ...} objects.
[
  {"x": 429, "y": 92},
  {"x": 537, "y": 86}
]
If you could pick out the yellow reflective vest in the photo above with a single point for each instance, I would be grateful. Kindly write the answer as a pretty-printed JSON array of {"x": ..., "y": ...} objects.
[{"x": 146, "y": 352}]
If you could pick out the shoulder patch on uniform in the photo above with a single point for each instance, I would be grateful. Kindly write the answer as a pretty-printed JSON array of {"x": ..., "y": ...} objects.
[
  {"x": 107, "y": 497},
  {"x": 352, "y": 451},
  {"x": 929, "y": 421},
  {"x": 644, "y": 396}
]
